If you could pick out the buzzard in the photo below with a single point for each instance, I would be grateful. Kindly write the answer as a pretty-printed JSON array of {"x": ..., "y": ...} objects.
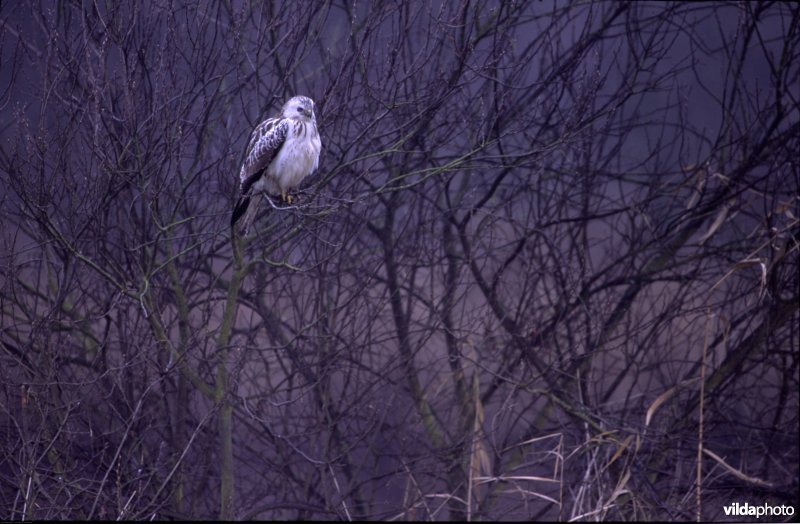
[{"x": 282, "y": 151}]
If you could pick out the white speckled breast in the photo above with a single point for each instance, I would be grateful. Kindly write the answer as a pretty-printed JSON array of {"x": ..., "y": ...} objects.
[{"x": 298, "y": 157}]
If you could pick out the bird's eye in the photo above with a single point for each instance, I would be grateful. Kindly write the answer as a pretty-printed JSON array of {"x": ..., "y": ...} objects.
[{"x": 300, "y": 109}]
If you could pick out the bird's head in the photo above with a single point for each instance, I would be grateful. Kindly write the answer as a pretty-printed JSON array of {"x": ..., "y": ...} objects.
[{"x": 300, "y": 107}]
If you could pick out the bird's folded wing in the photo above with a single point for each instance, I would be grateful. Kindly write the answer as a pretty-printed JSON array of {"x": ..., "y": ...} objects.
[{"x": 265, "y": 143}]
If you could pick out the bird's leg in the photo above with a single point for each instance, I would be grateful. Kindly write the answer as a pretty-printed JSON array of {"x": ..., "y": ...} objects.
[{"x": 286, "y": 198}]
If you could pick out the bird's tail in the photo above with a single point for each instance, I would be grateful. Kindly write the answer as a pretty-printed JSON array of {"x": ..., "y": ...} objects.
[
  {"x": 246, "y": 209},
  {"x": 239, "y": 209}
]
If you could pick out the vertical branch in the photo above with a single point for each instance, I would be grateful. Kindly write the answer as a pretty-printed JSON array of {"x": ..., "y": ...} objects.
[
  {"x": 699, "y": 478},
  {"x": 401, "y": 327},
  {"x": 181, "y": 405},
  {"x": 225, "y": 420}
]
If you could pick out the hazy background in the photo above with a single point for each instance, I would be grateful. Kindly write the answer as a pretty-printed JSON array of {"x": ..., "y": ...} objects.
[{"x": 548, "y": 268}]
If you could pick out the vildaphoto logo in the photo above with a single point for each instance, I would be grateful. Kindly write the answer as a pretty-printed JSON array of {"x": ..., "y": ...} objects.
[{"x": 764, "y": 510}]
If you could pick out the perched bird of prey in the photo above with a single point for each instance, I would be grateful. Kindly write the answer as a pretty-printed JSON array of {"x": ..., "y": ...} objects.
[{"x": 281, "y": 153}]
